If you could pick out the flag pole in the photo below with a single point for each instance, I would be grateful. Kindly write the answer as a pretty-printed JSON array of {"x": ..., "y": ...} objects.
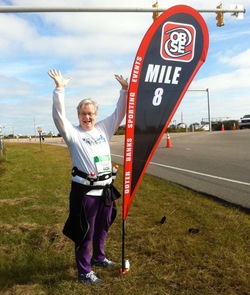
[
  {"x": 125, "y": 262},
  {"x": 123, "y": 269},
  {"x": 123, "y": 245}
]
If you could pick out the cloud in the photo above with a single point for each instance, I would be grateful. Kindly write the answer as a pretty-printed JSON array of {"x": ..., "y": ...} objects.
[
  {"x": 242, "y": 60},
  {"x": 92, "y": 47}
]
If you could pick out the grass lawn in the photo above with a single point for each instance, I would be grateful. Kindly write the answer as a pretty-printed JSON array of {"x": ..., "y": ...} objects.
[{"x": 36, "y": 258}]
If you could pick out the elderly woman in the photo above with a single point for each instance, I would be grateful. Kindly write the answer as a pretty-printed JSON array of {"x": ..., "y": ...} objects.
[{"x": 92, "y": 196}]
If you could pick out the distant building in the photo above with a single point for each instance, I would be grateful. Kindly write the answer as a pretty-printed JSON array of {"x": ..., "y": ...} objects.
[
  {"x": 181, "y": 125},
  {"x": 195, "y": 126},
  {"x": 205, "y": 127},
  {"x": 51, "y": 134}
]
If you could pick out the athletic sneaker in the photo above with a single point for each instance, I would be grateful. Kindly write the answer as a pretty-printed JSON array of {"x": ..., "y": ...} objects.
[
  {"x": 103, "y": 263},
  {"x": 89, "y": 278}
]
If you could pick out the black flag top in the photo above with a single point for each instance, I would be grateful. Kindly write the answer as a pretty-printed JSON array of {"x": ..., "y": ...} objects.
[{"x": 170, "y": 54}]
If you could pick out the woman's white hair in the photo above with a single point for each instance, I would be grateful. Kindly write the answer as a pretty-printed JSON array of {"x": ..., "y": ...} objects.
[{"x": 87, "y": 101}]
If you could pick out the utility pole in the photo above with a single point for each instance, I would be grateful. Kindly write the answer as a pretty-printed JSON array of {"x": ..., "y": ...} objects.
[
  {"x": 208, "y": 108},
  {"x": 208, "y": 104},
  {"x": 1, "y": 141},
  {"x": 35, "y": 127}
]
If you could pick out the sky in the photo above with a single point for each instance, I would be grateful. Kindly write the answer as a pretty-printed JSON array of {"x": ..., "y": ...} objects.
[{"x": 92, "y": 47}]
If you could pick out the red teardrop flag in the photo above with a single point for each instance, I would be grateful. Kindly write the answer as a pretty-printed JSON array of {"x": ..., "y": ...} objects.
[{"x": 169, "y": 56}]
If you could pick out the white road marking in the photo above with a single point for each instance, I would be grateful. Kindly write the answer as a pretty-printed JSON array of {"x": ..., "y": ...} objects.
[
  {"x": 194, "y": 172},
  {"x": 202, "y": 174}
]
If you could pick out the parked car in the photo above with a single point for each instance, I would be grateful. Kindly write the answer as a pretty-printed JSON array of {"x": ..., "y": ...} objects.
[{"x": 244, "y": 122}]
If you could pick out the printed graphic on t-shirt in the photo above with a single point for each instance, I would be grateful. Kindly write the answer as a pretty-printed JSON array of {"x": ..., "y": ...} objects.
[{"x": 91, "y": 141}]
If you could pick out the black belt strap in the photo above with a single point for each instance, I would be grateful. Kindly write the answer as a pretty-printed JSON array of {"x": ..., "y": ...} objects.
[{"x": 76, "y": 171}]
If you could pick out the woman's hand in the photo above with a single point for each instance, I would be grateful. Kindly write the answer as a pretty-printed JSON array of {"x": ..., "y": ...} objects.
[
  {"x": 58, "y": 78},
  {"x": 122, "y": 81}
]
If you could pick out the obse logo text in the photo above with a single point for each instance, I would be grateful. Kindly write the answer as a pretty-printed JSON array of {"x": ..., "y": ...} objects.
[{"x": 177, "y": 42}]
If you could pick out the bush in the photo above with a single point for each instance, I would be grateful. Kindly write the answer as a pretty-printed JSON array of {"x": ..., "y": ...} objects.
[{"x": 228, "y": 125}]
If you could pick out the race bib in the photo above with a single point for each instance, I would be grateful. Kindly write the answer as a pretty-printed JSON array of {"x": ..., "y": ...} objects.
[{"x": 103, "y": 164}]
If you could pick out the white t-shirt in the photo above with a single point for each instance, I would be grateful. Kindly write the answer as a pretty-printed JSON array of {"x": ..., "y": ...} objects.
[{"x": 89, "y": 150}]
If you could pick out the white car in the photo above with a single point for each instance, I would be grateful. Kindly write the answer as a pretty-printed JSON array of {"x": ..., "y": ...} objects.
[{"x": 244, "y": 122}]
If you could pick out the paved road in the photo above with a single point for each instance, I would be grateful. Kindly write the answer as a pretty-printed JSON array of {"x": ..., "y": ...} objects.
[{"x": 215, "y": 163}]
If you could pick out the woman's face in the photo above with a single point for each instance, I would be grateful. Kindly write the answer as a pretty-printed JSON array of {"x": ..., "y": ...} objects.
[{"x": 87, "y": 117}]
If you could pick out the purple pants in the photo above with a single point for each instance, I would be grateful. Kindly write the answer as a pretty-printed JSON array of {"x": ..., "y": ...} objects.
[{"x": 99, "y": 219}]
